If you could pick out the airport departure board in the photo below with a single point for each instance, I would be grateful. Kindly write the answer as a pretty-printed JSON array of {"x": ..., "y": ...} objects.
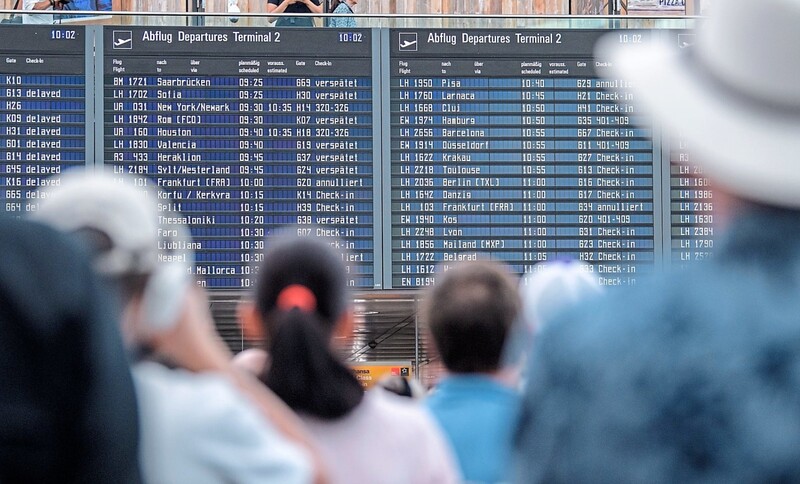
[
  {"x": 506, "y": 143},
  {"x": 691, "y": 214},
  {"x": 248, "y": 131},
  {"x": 691, "y": 208},
  {"x": 412, "y": 148},
  {"x": 42, "y": 109}
]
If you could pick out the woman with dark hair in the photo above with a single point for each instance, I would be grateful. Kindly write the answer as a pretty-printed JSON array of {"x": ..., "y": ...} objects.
[{"x": 301, "y": 306}]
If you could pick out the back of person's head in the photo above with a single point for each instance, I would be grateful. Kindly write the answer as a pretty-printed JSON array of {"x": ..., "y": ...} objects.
[
  {"x": 470, "y": 310},
  {"x": 147, "y": 259},
  {"x": 553, "y": 288},
  {"x": 302, "y": 299}
]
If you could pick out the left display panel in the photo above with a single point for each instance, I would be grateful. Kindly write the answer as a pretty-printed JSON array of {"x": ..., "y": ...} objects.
[
  {"x": 43, "y": 110},
  {"x": 248, "y": 131}
]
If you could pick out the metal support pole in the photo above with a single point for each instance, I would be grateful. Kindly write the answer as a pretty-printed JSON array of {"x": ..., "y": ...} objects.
[
  {"x": 198, "y": 6},
  {"x": 416, "y": 339}
]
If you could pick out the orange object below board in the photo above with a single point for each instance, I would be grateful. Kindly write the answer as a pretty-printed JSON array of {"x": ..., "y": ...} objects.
[{"x": 370, "y": 373}]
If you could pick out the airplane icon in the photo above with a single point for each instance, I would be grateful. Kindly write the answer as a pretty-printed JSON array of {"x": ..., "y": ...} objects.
[
  {"x": 407, "y": 41},
  {"x": 122, "y": 39}
]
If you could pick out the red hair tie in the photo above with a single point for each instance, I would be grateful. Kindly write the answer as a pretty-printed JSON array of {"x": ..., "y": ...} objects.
[{"x": 296, "y": 296}]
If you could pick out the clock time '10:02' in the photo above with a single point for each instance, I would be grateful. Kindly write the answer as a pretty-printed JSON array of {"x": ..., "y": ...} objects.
[
  {"x": 351, "y": 37},
  {"x": 62, "y": 34}
]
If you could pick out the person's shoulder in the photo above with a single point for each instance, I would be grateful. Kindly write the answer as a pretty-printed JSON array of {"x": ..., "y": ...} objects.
[
  {"x": 402, "y": 417},
  {"x": 613, "y": 323},
  {"x": 665, "y": 314},
  {"x": 400, "y": 412},
  {"x": 407, "y": 422},
  {"x": 201, "y": 397},
  {"x": 205, "y": 406},
  {"x": 381, "y": 398},
  {"x": 479, "y": 388},
  {"x": 207, "y": 427},
  {"x": 624, "y": 307}
]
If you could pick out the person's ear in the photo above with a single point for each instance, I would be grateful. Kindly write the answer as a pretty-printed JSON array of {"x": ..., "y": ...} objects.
[
  {"x": 345, "y": 325},
  {"x": 250, "y": 320}
]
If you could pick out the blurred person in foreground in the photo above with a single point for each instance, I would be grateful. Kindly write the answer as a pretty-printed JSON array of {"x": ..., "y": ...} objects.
[
  {"x": 553, "y": 288},
  {"x": 67, "y": 404},
  {"x": 695, "y": 376},
  {"x": 470, "y": 311},
  {"x": 302, "y": 310},
  {"x": 197, "y": 423}
]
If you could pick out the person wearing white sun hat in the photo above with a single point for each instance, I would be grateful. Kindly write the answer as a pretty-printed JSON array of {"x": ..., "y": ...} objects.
[
  {"x": 733, "y": 94},
  {"x": 693, "y": 376}
]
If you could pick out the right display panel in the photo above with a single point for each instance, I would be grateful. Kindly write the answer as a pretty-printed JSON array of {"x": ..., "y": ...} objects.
[
  {"x": 691, "y": 200},
  {"x": 513, "y": 144}
]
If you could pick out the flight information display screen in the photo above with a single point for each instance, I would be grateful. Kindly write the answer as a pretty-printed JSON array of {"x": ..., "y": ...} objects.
[
  {"x": 691, "y": 219},
  {"x": 506, "y": 143},
  {"x": 691, "y": 208},
  {"x": 248, "y": 131},
  {"x": 42, "y": 110},
  {"x": 411, "y": 148}
]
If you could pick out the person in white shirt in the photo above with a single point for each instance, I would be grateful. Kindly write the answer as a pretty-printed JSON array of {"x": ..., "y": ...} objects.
[
  {"x": 200, "y": 420},
  {"x": 41, "y": 5},
  {"x": 301, "y": 308}
]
